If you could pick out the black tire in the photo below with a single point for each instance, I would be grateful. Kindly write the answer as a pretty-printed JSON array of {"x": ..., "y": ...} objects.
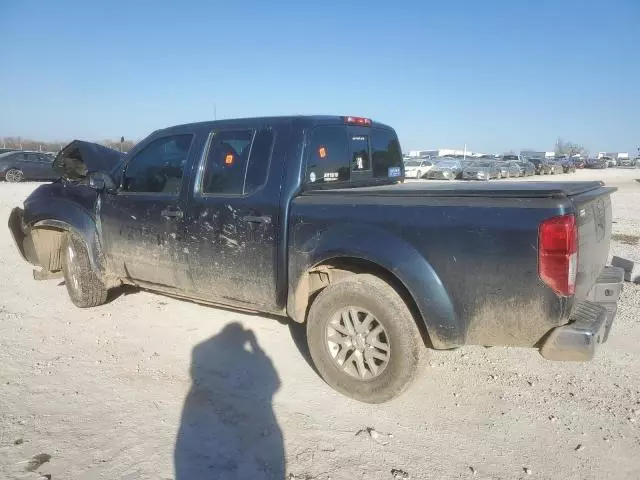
[
  {"x": 83, "y": 285},
  {"x": 404, "y": 342},
  {"x": 14, "y": 175}
]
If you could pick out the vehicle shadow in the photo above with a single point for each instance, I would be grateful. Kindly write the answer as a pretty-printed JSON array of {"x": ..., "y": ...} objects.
[{"x": 228, "y": 429}]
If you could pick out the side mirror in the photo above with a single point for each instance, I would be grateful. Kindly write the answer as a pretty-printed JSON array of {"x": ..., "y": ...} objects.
[{"x": 101, "y": 181}]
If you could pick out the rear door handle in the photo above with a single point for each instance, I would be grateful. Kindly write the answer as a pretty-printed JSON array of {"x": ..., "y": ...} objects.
[
  {"x": 257, "y": 219},
  {"x": 172, "y": 213}
]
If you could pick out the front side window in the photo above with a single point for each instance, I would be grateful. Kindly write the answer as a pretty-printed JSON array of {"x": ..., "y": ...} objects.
[
  {"x": 386, "y": 153},
  {"x": 158, "y": 167},
  {"x": 328, "y": 157}
]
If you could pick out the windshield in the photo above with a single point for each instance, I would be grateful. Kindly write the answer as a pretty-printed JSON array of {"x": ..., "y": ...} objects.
[
  {"x": 412, "y": 163},
  {"x": 481, "y": 164},
  {"x": 448, "y": 164}
]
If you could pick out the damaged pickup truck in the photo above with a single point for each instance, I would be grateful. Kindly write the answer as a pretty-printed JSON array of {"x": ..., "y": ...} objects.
[{"x": 310, "y": 218}]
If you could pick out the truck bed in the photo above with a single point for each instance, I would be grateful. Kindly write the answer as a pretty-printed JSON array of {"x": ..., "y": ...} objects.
[{"x": 479, "y": 241}]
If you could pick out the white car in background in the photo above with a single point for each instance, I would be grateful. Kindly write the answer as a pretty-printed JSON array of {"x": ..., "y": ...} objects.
[{"x": 417, "y": 168}]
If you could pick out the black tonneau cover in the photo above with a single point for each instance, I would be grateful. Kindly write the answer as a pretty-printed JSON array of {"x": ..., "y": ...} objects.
[{"x": 469, "y": 189}]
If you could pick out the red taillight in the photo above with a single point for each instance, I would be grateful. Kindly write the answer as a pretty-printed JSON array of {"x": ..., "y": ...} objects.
[
  {"x": 558, "y": 254},
  {"x": 358, "y": 121}
]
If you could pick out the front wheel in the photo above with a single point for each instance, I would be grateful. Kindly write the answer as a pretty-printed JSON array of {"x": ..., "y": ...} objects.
[
  {"x": 83, "y": 284},
  {"x": 363, "y": 339},
  {"x": 14, "y": 175}
]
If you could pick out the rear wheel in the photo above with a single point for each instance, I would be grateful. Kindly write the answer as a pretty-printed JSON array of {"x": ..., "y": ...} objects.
[
  {"x": 14, "y": 175},
  {"x": 363, "y": 339},
  {"x": 83, "y": 285}
]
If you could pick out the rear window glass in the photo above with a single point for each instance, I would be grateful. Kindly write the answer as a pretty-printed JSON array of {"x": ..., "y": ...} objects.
[
  {"x": 386, "y": 155},
  {"x": 328, "y": 158},
  {"x": 359, "y": 153}
]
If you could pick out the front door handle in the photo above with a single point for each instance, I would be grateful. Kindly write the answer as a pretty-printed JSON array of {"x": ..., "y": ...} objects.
[
  {"x": 257, "y": 219},
  {"x": 172, "y": 213}
]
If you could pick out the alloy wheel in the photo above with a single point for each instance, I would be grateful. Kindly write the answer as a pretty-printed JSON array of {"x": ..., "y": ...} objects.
[{"x": 358, "y": 343}]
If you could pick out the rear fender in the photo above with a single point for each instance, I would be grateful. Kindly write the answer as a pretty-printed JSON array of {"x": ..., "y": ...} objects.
[{"x": 394, "y": 255}]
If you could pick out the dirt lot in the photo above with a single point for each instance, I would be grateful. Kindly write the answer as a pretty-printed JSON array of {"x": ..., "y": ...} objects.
[{"x": 108, "y": 393}]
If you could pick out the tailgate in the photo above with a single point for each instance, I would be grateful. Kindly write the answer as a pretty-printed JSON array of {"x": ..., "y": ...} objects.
[{"x": 594, "y": 218}]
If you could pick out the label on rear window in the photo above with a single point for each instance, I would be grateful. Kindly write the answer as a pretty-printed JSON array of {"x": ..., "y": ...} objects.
[{"x": 395, "y": 172}]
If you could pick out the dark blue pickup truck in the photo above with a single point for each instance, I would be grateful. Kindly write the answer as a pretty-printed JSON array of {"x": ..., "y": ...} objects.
[{"x": 310, "y": 218}]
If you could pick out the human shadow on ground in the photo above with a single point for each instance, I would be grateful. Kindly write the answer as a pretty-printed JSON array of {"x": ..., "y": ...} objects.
[{"x": 228, "y": 429}]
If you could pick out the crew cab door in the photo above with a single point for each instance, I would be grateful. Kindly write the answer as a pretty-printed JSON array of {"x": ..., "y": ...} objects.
[
  {"x": 232, "y": 221},
  {"x": 141, "y": 222}
]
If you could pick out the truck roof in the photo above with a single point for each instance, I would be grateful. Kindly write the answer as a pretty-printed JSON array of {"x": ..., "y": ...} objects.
[{"x": 306, "y": 120}]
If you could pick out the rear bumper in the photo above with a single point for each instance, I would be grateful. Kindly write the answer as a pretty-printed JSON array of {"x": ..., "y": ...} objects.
[{"x": 590, "y": 321}]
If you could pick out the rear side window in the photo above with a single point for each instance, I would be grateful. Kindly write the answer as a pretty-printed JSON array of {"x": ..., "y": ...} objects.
[
  {"x": 237, "y": 162},
  {"x": 328, "y": 158},
  {"x": 259, "y": 160}
]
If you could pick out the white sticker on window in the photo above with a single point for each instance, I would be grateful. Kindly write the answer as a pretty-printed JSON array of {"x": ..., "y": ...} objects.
[
  {"x": 330, "y": 176},
  {"x": 312, "y": 177}
]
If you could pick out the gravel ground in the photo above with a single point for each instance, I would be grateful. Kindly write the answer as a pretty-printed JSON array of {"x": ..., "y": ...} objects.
[{"x": 109, "y": 393}]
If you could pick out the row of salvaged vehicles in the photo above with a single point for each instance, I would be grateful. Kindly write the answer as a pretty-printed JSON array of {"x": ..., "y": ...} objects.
[{"x": 492, "y": 168}]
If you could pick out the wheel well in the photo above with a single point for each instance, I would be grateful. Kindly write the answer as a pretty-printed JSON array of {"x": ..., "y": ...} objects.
[
  {"x": 47, "y": 247},
  {"x": 335, "y": 270}
]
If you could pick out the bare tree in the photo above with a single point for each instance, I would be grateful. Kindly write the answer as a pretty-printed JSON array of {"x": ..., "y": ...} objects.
[{"x": 569, "y": 148}]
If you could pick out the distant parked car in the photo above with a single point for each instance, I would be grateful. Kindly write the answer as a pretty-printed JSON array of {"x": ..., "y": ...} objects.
[
  {"x": 579, "y": 163},
  {"x": 508, "y": 169},
  {"x": 526, "y": 168},
  {"x": 568, "y": 166},
  {"x": 417, "y": 168},
  {"x": 7, "y": 150},
  {"x": 626, "y": 162},
  {"x": 481, "y": 170},
  {"x": 598, "y": 163},
  {"x": 545, "y": 166},
  {"x": 19, "y": 165},
  {"x": 514, "y": 169},
  {"x": 611, "y": 162},
  {"x": 445, "y": 169}
]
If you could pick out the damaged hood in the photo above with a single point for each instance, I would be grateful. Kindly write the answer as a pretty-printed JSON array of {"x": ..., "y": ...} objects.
[{"x": 79, "y": 158}]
